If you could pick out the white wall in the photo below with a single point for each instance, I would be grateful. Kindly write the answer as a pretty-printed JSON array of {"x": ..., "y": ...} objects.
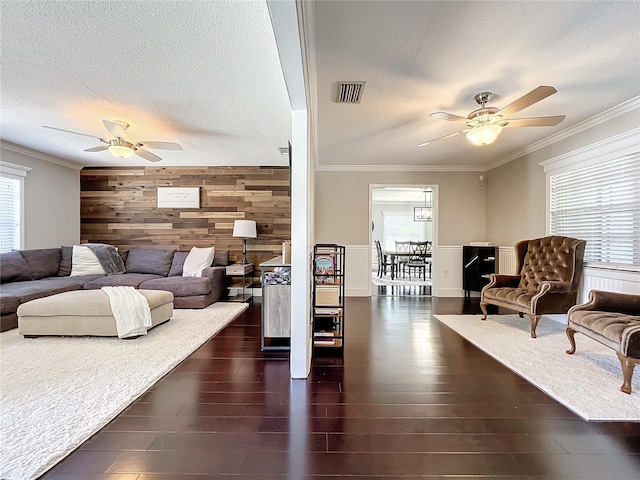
[
  {"x": 342, "y": 204},
  {"x": 52, "y": 200},
  {"x": 342, "y": 217}
]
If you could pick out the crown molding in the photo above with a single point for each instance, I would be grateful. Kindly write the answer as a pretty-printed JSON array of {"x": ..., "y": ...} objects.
[
  {"x": 602, "y": 117},
  {"x": 400, "y": 168},
  {"x": 12, "y": 147},
  {"x": 618, "y": 146},
  {"x": 14, "y": 169}
]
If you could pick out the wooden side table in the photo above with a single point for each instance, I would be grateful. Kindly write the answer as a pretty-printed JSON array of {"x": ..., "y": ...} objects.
[{"x": 238, "y": 273}]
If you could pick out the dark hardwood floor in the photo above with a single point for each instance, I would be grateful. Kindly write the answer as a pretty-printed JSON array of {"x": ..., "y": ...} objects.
[{"x": 411, "y": 399}]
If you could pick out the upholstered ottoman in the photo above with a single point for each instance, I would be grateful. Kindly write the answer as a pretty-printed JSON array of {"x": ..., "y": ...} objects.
[{"x": 83, "y": 312}]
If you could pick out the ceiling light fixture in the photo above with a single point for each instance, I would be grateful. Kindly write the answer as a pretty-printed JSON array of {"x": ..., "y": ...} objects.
[
  {"x": 484, "y": 134},
  {"x": 423, "y": 214},
  {"x": 121, "y": 151}
]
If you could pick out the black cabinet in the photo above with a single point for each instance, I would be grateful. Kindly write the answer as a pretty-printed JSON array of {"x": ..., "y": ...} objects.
[{"x": 477, "y": 264}]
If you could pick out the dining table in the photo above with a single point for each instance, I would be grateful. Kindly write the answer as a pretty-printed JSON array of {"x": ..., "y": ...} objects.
[{"x": 397, "y": 254}]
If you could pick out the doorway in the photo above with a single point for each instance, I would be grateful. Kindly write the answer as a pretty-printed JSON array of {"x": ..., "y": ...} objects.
[{"x": 403, "y": 239}]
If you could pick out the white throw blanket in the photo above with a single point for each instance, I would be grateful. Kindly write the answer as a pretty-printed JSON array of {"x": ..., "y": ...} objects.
[{"x": 130, "y": 309}]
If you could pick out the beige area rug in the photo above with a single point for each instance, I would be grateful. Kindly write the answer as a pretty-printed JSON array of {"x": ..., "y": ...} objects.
[
  {"x": 587, "y": 382},
  {"x": 55, "y": 392}
]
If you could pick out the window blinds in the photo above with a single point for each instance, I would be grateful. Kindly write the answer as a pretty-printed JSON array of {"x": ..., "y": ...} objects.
[
  {"x": 600, "y": 204},
  {"x": 9, "y": 213}
]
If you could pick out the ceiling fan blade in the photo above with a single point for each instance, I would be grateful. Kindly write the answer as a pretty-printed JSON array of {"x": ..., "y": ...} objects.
[
  {"x": 449, "y": 116},
  {"x": 535, "y": 121},
  {"x": 97, "y": 149},
  {"x": 147, "y": 155},
  {"x": 75, "y": 133},
  {"x": 442, "y": 138},
  {"x": 527, "y": 100},
  {"x": 113, "y": 128},
  {"x": 161, "y": 145}
]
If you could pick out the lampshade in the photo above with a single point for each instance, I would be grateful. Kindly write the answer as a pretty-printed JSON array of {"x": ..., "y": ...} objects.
[
  {"x": 245, "y": 228},
  {"x": 484, "y": 134},
  {"x": 121, "y": 151}
]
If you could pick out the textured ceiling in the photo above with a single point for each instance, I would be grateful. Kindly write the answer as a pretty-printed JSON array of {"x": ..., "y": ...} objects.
[
  {"x": 205, "y": 74},
  {"x": 419, "y": 57}
]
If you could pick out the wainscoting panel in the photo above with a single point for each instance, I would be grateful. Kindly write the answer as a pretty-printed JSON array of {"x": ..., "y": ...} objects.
[
  {"x": 447, "y": 272},
  {"x": 119, "y": 206},
  {"x": 357, "y": 271},
  {"x": 608, "y": 280},
  {"x": 506, "y": 260}
]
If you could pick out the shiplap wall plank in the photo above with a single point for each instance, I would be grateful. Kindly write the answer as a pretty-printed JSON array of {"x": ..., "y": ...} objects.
[{"x": 119, "y": 206}]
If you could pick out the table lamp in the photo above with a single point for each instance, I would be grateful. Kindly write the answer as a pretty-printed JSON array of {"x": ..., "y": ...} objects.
[{"x": 245, "y": 229}]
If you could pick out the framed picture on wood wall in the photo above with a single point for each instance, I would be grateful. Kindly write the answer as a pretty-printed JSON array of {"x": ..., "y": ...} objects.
[{"x": 178, "y": 197}]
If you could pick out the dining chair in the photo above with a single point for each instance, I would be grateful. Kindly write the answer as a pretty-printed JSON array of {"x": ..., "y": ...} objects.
[
  {"x": 419, "y": 259},
  {"x": 402, "y": 261},
  {"x": 383, "y": 261}
]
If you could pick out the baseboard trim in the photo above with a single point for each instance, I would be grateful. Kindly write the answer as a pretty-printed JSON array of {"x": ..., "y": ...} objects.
[
  {"x": 357, "y": 292},
  {"x": 449, "y": 292}
]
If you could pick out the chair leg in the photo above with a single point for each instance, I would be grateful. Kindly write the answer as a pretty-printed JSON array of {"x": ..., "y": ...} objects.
[
  {"x": 627, "y": 364},
  {"x": 521, "y": 315},
  {"x": 534, "y": 323},
  {"x": 570, "y": 335},
  {"x": 483, "y": 307}
]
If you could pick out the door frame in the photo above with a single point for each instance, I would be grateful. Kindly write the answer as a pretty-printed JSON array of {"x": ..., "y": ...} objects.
[{"x": 434, "y": 248}]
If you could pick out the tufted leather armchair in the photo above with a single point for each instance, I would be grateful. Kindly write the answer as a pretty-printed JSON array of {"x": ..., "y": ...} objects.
[{"x": 548, "y": 272}]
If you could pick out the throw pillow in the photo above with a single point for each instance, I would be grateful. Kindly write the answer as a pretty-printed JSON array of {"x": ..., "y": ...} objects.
[
  {"x": 14, "y": 268},
  {"x": 43, "y": 262},
  {"x": 221, "y": 258},
  {"x": 66, "y": 256},
  {"x": 178, "y": 262},
  {"x": 156, "y": 262},
  {"x": 197, "y": 260},
  {"x": 85, "y": 262}
]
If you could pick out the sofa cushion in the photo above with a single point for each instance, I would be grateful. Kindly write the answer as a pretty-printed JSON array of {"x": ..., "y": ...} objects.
[
  {"x": 72, "y": 280},
  {"x": 30, "y": 290},
  {"x": 8, "y": 304},
  {"x": 177, "y": 264},
  {"x": 124, "y": 280},
  {"x": 44, "y": 262},
  {"x": 66, "y": 257},
  {"x": 14, "y": 268},
  {"x": 180, "y": 287},
  {"x": 156, "y": 262}
]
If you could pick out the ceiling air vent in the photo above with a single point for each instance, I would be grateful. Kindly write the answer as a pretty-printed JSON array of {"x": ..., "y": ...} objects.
[{"x": 350, "y": 92}]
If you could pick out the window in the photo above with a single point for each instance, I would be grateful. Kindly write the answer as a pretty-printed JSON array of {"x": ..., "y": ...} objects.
[
  {"x": 401, "y": 227},
  {"x": 598, "y": 200},
  {"x": 11, "y": 206}
]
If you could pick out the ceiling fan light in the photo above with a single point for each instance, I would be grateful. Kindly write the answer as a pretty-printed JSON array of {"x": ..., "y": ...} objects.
[
  {"x": 484, "y": 134},
  {"x": 121, "y": 151}
]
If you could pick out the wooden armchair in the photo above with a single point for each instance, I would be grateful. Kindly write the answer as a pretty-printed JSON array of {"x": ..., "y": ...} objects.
[{"x": 548, "y": 272}]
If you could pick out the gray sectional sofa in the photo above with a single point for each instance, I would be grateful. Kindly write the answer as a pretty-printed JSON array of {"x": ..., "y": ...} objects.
[{"x": 29, "y": 274}]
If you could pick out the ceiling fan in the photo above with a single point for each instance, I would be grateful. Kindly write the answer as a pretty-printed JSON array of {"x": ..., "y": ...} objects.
[
  {"x": 486, "y": 123},
  {"x": 123, "y": 145}
]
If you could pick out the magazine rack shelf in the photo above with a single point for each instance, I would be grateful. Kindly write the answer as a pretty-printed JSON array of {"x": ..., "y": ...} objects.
[{"x": 328, "y": 296}]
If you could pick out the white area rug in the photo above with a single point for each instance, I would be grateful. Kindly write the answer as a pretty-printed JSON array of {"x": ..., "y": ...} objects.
[
  {"x": 58, "y": 391},
  {"x": 385, "y": 280},
  {"x": 587, "y": 382}
]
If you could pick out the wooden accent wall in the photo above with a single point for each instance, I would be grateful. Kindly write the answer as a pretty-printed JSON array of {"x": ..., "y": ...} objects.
[{"x": 119, "y": 207}]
